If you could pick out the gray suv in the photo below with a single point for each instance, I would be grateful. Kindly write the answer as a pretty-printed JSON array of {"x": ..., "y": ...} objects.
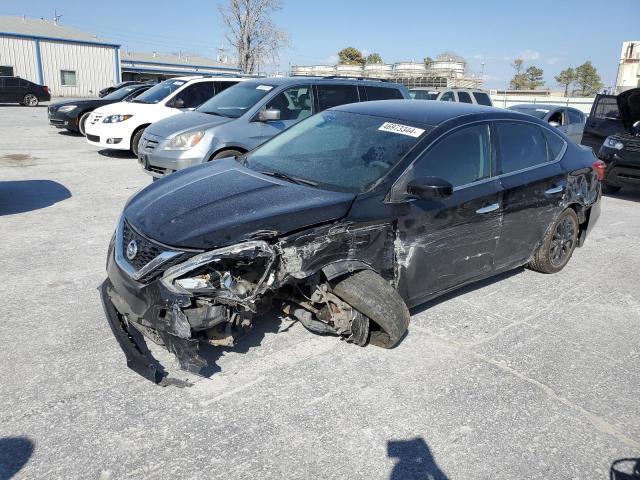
[{"x": 246, "y": 115}]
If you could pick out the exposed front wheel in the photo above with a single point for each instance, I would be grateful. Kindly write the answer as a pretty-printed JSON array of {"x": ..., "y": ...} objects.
[
  {"x": 558, "y": 244},
  {"x": 82, "y": 122},
  {"x": 226, "y": 154},
  {"x": 135, "y": 141},
  {"x": 30, "y": 100}
]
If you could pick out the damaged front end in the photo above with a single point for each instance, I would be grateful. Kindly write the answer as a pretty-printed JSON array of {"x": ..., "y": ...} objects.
[{"x": 182, "y": 299}]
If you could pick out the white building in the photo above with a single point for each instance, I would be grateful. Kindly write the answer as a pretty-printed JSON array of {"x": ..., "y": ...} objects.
[
  {"x": 629, "y": 67},
  {"x": 71, "y": 63}
]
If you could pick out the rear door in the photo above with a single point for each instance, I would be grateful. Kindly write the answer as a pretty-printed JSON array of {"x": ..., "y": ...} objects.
[
  {"x": 13, "y": 92},
  {"x": 3, "y": 92},
  {"x": 533, "y": 183},
  {"x": 604, "y": 120}
]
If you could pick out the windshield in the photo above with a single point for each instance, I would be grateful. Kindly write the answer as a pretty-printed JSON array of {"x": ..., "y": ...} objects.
[
  {"x": 336, "y": 150},
  {"x": 236, "y": 100},
  {"x": 160, "y": 91},
  {"x": 121, "y": 93},
  {"x": 536, "y": 112}
]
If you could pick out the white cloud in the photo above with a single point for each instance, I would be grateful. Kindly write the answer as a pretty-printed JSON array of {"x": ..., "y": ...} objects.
[
  {"x": 529, "y": 55},
  {"x": 330, "y": 60},
  {"x": 553, "y": 60}
]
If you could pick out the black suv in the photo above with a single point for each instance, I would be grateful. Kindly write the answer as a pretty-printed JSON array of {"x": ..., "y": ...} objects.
[
  {"x": 613, "y": 130},
  {"x": 19, "y": 90}
]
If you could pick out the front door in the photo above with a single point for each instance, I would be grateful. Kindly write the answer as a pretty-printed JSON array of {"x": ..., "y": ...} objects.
[
  {"x": 604, "y": 120},
  {"x": 533, "y": 184},
  {"x": 576, "y": 124},
  {"x": 445, "y": 242}
]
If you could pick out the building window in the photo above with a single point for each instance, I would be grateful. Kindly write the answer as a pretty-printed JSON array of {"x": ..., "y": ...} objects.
[
  {"x": 68, "y": 78},
  {"x": 6, "y": 71}
]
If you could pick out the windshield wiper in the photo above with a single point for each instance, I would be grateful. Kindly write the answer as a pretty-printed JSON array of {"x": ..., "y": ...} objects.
[{"x": 284, "y": 176}]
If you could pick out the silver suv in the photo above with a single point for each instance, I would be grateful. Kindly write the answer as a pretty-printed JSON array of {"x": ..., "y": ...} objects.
[
  {"x": 246, "y": 115},
  {"x": 462, "y": 95}
]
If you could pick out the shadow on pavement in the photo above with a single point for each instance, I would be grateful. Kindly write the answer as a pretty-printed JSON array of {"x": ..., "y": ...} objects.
[
  {"x": 14, "y": 454},
  {"x": 21, "y": 196},
  {"x": 625, "y": 469},
  {"x": 105, "y": 152},
  {"x": 415, "y": 461},
  {"x": 627, "y": 193}
]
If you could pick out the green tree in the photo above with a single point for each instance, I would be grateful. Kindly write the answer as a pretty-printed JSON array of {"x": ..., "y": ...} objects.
[
  {"x": 517, "y": 65},
  {"x": 428, "y": 61},
  {"x": 565, "y": 78},
  {"x": 534, "y": 77},
  {"x": 374, "y": 58},
  {"x": 519, "y": 80},
  {"x": 587, "y": 79},
  {"x": 351, "y": 56}
]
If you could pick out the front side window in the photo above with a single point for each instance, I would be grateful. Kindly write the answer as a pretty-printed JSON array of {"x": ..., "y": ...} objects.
[
  {"x": 160, "y": 91},
  {"x": 68, "y": 78},
  {"x": 521, "y": 145},
  {"x": 334, "y": 95},
  {"x": 462, "y": 157},
  {"x": 220, "y": 86},
  {"x": 235, "y": 101},
  {"x": 294, "y": 103},
  {"x": 558, "y": 117},
  {"x": 11, "y": 82},
  {"x": 340, "y": 151},
  {"x": 482, "y": 99},
  {"x": 448, "y": 97},
  {"x": 382, "y": 93},
  {"x": 575, "y": 117},
  {"x": 194, "y": 95}
]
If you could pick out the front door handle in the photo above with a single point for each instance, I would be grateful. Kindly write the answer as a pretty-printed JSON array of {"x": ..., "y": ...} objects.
[
  {"x": 554, "y": 190},
  {"x": 489, "y": 208}
]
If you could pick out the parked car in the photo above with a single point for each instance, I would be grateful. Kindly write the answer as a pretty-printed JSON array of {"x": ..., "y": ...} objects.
[
  {"x": 462, "y": 95},
  {"x": 24, "y": 92},
  {"x": 569, "y": 121},
  {"x": 73, "y": 114},
  {"x": 344, "y": 221},
  {"x": 621, "y": 150},
  {"x": 247, "y": 115},
  {"x": 120, "y": 125},
  {"x": 106, "y": 91}
]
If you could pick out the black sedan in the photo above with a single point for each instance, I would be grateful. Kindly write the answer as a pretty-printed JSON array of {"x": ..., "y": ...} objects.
[
  {"x": 106, "y": 91},
  {"x": 72, "y": 114},
  {"x": 344, "y": 221}
]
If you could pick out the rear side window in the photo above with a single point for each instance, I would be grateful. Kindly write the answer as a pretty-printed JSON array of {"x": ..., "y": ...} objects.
[
  {"x": 220, "y": 86},
  {"x": 464, "y": 97},
  {"x": 521, "y": 145},
  {"x": 382, "y": 93},
  {"x": 482, "y": 98},
  {"x": 334, "y": 95},
  {"x": 448, "y": 97},
  {"x": 575, "y": 117},
  {"x": 460, "y": 158},
  {"x": 554, "y": 144},
  {"x": 607, "y": 107}
]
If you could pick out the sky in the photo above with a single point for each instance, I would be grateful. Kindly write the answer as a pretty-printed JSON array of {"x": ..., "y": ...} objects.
[{"x": 550, "y": 34}]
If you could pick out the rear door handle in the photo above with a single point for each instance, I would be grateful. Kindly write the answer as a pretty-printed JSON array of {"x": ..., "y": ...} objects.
[
  {"x": 489, "y": 208},
  {"x": 554, "y": 190}
]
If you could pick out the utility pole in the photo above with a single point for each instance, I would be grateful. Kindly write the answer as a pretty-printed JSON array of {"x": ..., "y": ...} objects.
[{"x": 56, "y": 17}]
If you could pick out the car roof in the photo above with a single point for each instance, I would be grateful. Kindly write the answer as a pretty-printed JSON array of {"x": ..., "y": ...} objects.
[
  {"x": 429, "y": 113},
  {"x": 535, "y": 106},
  {"x": 277, "y": 81}
]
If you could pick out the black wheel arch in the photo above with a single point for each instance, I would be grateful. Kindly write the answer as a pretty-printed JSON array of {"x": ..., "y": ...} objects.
[{"x": 226, "y": 149}]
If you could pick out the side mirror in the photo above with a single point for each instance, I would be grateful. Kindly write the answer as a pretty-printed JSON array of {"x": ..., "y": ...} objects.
[
  {"x": 269, "y": 115},
  {"x": 554, "y": 124},
  {"x": 178, "y": 103},
  {"x": 429, "y": 187}
]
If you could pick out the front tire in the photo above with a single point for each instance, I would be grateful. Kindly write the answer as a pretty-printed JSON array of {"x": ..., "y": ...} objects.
[
  {"x": 30, "y": 100},
  {"x": 82, "y": 122},
  {"x": 226, "y": 154},
  {"x": 135, "y": 141},
  {"x": 558, "y": 244}
]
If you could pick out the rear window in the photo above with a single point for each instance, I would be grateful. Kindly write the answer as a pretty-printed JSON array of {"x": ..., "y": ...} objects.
[
  {"x": 607, "y": 107},
  {"x": 382, "y": 93},
  {"x": 464, "y": 97},
  {"x": 482, "y": 99},
  {"x": 334, "y": 95}
]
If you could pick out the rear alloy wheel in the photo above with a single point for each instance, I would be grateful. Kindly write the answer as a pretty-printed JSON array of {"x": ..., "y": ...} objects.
[
  {"x": 30, "y": 100},
  {"x": 81, "y": 123},
  {"x": 609, "y": 189},
  {"x": 226, "y": 154},
  {"x": 558, "y": 245}
]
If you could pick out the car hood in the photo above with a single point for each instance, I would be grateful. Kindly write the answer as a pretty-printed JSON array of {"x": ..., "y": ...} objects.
[
  {"x": 80, "y": 102},
  {"x": 222, "y": 203},
  {"x": 129, "y": 108},
  {"x": 629, "y": 107},
  {"x": 182, "y": 123}
]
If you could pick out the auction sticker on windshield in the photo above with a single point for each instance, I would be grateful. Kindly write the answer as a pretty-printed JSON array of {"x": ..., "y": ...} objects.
[
  {"x": 264, "y": 87},
  {"x": 401, "y": 129}
]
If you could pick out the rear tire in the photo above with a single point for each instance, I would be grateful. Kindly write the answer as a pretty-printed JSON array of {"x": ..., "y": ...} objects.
[
  {"x": 609, "y": 189},
  {"x": 371, "y": 295},
  {"x": 226, "y": 154},
  {"x": 135, "y": 141},
  {"x": 81, "y": 123},
  {"x": 30, "y": 100},
  {"x": 558, "y": 244}
]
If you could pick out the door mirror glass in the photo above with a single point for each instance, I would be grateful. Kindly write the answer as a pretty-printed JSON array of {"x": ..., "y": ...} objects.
[
  {"x": 429, "y": 187},
  {"x": 554, "y": 124},
  {"x": 269, "y": 115}
]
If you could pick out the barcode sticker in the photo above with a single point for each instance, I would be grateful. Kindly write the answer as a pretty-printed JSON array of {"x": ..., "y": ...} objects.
[{"x": 401, "y": 129}]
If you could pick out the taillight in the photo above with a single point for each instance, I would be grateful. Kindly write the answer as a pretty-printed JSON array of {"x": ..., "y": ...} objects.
[
  {"x": 599, "y": 166},
  {"x": 46, "y": 89}
]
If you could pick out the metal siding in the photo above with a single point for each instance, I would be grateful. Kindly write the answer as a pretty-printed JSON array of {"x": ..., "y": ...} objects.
[
  {"x": 93, "y": 64},
  {"x": 20, "y": 54}
]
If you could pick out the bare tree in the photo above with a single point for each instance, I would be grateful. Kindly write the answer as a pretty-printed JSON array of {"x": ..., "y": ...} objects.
[{"x": 252, "y": 33}]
